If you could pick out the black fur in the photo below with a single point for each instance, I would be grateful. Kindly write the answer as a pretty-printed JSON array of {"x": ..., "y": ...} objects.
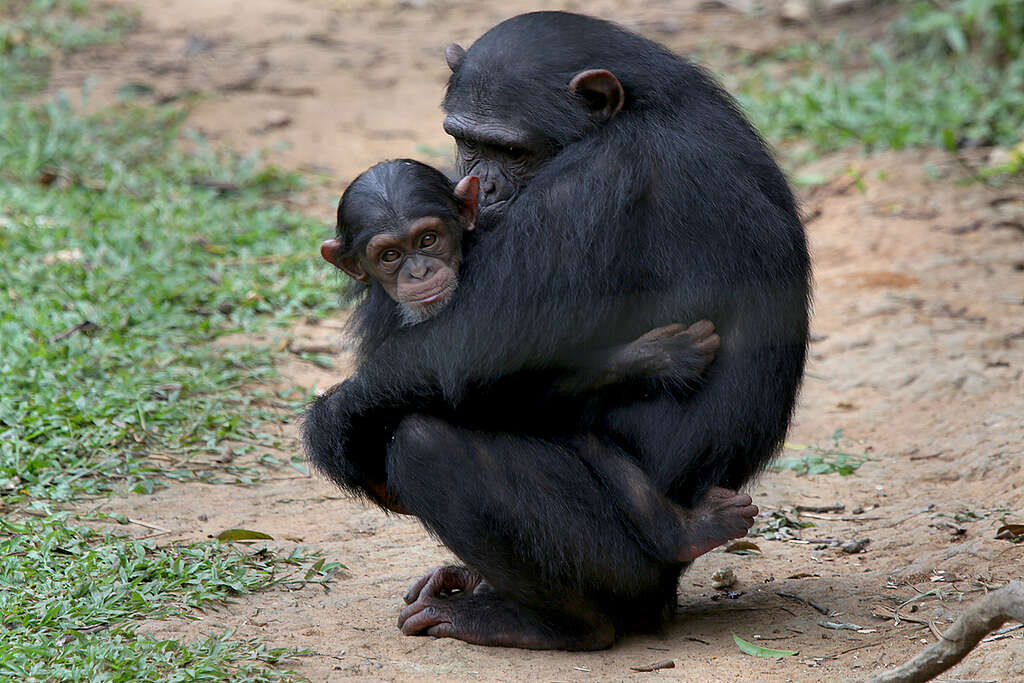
[{"x": 672, "y": 210}]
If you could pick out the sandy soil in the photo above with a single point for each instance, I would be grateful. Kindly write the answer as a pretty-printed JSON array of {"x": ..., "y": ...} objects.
[{"x": 919, "y": 321}]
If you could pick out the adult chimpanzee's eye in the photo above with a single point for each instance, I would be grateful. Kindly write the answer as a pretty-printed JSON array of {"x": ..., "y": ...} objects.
[
  {"x": 428, "y": 239},
  {"x": 516, "y": 153},
  {"x": 390, "y": 256}
]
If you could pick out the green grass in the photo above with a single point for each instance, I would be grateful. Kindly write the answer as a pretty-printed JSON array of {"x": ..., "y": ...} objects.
[
  {"x": 126, "y": 259},
  {"x": 35, "y": 33},
  {"x": 834, "y": 458},
  {"x": 106, "y": 223},
  {"x": 941, "y": 77},
  {"x": 71, "y": 599}
]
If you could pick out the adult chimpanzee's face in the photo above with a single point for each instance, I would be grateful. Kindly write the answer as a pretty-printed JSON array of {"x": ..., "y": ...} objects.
[
  {"x": 502, "y": 157},
  {"x": 510, "y": 117}
]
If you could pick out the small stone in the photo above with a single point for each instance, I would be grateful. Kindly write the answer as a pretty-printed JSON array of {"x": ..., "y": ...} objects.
[
  {"x": 795, "y": 12},
  {"x": 853, "y": 547},
  {"x": 275, "y": 119},
  {"x": 723, "y": 578}
]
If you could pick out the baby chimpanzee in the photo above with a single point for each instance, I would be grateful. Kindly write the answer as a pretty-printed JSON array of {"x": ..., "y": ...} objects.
[
  {"x": 399, "y": 232},
  {"x": 400, "y": 227}
]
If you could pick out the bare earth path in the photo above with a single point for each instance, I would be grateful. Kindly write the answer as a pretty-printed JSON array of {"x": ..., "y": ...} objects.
[{"x": 919, "y": 326}]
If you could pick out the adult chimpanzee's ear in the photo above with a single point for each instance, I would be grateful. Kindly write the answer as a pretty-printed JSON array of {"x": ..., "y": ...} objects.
[
  {"x": 600, "y": 90},
  {"x": 454, "y": 54},
  {"x": 468, "y": 192},
  {"x": 334, "y": 253}
]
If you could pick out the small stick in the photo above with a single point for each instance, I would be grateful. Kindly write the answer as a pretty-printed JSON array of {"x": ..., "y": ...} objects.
[
  {"x": 976, "y": 622},
  {"x": 149, "y": 526},
  {"x": 835, "y": 507},
  {"x": 667, "y": 664},
  {"x": 1002, "y": 633},
  {"x": 840, "y": 626},
  {"x": 816, "y": 607}
]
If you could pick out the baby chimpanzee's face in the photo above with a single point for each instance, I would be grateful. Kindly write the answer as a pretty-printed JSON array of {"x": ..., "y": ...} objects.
[
  {"x": 417, "y": 264},
  {"x": 414, "y": 260}
]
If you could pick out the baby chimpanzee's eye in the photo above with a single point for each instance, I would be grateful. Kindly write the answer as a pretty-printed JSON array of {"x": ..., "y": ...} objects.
[
  {"x": 428, "y": 240},
  {"x": 390, "y": 256}
]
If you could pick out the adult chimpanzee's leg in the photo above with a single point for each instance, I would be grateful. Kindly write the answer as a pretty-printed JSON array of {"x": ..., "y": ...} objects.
[
  {"x": 668, "y": 531},
  {"x": 529, "y": 518},
  {"x": 557, "y": 556}
]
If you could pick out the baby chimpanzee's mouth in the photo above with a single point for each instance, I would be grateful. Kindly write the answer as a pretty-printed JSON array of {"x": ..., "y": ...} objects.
[
  {"x": 431, "y": 298},
  {"x": 438, "y": 288},
  {"x": 415, "y": 311}
]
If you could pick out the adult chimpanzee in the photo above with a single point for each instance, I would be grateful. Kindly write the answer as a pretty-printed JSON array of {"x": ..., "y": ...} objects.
[
  {"x": 399, "y": 232},
  {"x": 621, "y": 190}
]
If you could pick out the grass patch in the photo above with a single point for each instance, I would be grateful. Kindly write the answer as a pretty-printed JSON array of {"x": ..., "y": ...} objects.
[
  {"x": 122, "y": 267},
  {"x": 71, "y": 599},
  {"x": 815, "y": 459},
  {"x": 124, "y": 262},
  {"x": 948, "y": 75},
  {"x": 36, "y": 33}
]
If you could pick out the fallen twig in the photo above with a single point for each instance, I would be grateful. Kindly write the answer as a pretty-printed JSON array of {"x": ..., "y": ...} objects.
[
  {"x": 667, "y": 664},
  {"x": 976, "y": 622},
  {"x": 1005, "y": 632},
  {"x": 845, "y": 626},
  {"x": 86, "y": 327},
  {"x": 818, "y": 608},
  {"x": 835, "y": 507},
  {"x": 146, "y": 525}
]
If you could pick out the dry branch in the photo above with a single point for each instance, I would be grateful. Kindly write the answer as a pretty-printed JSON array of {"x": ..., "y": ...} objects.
[{"x": 977, "y": 621}]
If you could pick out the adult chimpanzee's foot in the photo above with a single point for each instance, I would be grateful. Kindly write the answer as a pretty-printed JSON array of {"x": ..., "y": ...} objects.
[
  {"x": 485, "y": 618},
  {"x": 721, "y": 516},
  {"x": 444, "y": 582}
]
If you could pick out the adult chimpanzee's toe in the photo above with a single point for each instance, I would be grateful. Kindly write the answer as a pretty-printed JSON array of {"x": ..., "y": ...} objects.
[{"x": 443, "y": 581}]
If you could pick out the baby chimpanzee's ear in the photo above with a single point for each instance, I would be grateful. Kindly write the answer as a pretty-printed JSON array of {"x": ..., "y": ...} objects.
[
  {"x": 468, "y": 193},
  {"x": 334, "y": 254}
]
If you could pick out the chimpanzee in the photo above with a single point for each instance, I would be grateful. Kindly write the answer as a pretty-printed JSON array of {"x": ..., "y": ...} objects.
[
  {"x": 399, "y": 233},
  {"x": 621, "y": 190}
]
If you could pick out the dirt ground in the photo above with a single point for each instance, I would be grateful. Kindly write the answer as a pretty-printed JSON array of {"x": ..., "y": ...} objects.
[{"x": 917, "y": 356}]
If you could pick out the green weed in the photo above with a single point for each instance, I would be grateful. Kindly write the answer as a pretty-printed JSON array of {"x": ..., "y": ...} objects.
[
  {"x": 71, "y": 599},
  {"x": 815, "y": 459},
  {"x": 946, "y": 75},
  {"x": 123, "y": 265}
]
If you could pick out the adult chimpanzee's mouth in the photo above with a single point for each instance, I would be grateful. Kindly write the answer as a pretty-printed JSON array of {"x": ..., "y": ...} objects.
[{"x": 492, "y": 211}]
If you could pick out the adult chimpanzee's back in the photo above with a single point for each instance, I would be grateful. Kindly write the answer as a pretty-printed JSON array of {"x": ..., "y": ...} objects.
[
  {"x": 622, "y": 190},
  {"x": 671, "y": 209}
]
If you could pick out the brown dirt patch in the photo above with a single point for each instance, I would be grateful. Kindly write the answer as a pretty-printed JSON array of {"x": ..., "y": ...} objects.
[{"x": 917, "y": 356}]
